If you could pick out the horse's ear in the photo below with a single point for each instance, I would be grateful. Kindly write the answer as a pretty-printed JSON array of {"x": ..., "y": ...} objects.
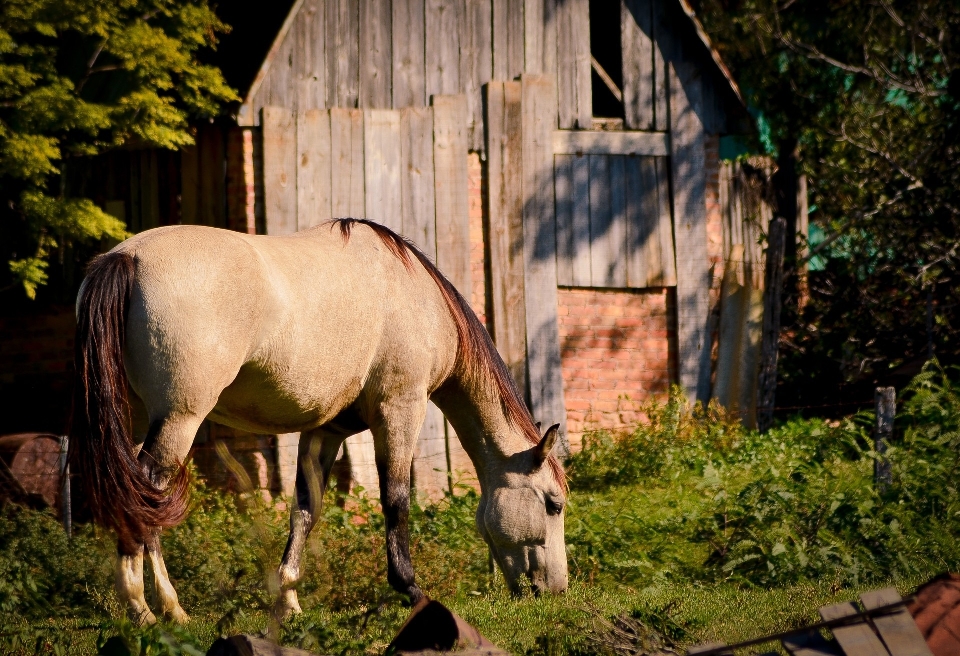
[
  {"x": 537, "y": 424},
  {"x": 542, "y": 451}
]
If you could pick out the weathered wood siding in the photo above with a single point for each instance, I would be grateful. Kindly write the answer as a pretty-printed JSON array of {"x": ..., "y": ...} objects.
[{"x": 382, "y": 54}]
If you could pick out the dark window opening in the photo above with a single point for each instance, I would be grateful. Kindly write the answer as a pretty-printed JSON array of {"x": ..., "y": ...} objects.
[{"x": 606, "y": 51}]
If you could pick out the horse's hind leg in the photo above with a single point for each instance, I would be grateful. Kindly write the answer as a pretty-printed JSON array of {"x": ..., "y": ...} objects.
[
  {"x": 164, "y": 451},
  {"x": 315, "y": 458}
]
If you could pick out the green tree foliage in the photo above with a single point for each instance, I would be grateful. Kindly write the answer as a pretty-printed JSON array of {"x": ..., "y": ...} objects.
[
  {"x": 868, "y": 94},
  {"x": 78, "y": 77}
]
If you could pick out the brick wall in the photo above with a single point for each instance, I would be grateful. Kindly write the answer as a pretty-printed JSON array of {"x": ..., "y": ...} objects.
[
  {"x": 36, "y": 369},
  {"x": 617, "y": 348}
]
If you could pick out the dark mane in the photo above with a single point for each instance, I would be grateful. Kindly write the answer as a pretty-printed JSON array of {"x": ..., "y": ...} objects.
[{"x": 476, "y": 356}]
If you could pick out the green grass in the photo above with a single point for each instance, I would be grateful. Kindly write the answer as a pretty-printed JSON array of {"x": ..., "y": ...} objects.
[{"x": 690, "y": 527}]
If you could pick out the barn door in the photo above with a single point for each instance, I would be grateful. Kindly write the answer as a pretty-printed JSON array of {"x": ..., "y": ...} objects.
[{"x": 405, "y": 169}]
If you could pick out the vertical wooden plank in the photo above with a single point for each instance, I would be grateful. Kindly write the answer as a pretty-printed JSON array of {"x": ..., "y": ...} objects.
[
  {"x": 476, "y": 64},
  {"x": 643, "y": 246},
  {"x": 381, "y": 156},
  {"x": 855, "y": 639},
  {"x": 563, "y": 193},
  {"x": 549, "y": 40},
  {"x": 450, "y": 181},
  {"x": 309, "y": 51},
  {"x": 416, "y": 178},
  {"x": 498, "y": 38},
  {"x": 733, "y": 304},
  {"x": 442, "y": 46},
  {"x": 668, "y": 260},
  {"x": 637, "y": 48},
  {"x": 601, "y": 217},
  {"x": 533, "y": 36},
  {"x": 516, "y": 38},
  {"x": 545, "y": 384},
  {"x": 575, "y": 102},
  {"x": 313, "y": 173},
  {"x": 898, "y": 630},
  {"x": 581, "y": 220},
  {"x": 661, "y": 49},
  {"x": 690, "y": 231},
  {"x": 617, "y": 237},
  {"x": 279, "y": 170},
  {"x": 505, "y": 211},
  {"x": 343, "y": 52},
  {"x": 408, "y": 49},
  {"x": 376, "y": 57},
  {"x": 346, "y": 162},
  {"x": 189, "y": 184}
]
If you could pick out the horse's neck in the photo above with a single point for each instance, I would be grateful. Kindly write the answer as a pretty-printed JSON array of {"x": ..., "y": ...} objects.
[{"x": 477, "y": 415}]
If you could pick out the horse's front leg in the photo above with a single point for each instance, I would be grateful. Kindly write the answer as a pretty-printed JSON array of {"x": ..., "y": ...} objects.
[
  {"x": 394, "y": 441},
  {"x": 316, "y": 455}
]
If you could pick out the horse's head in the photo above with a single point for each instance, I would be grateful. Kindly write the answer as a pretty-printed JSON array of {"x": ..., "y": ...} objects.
[{"x": 521, "y": 517}]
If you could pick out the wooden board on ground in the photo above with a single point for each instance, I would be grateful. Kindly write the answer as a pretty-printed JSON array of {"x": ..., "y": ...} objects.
[
  {"x": 505, "y": 234},
  {"x": 855, "y": 639},
  {"x": 279, "y": 170},
  {"x": 897, "y": 628}
]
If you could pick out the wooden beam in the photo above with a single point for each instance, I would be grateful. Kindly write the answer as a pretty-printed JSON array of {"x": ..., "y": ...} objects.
[
  {"x": 582, "y": 142},
  {"x": 342, "y": 23},
  {"x": 450, "y": 180},
  {"x": 476, "y": 64},
  {"x": 381, "y": 171},
  {"x": 690, "y": 231},
  {"x": 544, "y": 379},
  {"x": 279, "y": 170},
  {"x": 310, "y": 56},
  {"x": 505, "y": 228},
  {"x": 533, "y": 36}
]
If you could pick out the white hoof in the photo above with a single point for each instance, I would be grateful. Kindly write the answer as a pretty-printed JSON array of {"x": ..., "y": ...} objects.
[{"x": 141, "y": 615}]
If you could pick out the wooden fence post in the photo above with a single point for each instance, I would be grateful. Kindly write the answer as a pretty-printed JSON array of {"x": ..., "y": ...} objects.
[
  {"x": 767, "y": 384},
  {"x": 886, "y": 400},
  {"x": 66, "y": 513}
]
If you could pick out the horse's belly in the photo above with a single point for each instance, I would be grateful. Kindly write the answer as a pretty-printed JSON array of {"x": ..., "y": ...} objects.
[{"x": 261, "y": 402}]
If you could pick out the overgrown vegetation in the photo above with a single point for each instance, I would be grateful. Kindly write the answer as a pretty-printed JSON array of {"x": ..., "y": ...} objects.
[{"x": 687, "y": 529}]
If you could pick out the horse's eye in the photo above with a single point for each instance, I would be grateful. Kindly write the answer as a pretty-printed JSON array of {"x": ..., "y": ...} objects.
[{"x": 554, "y": 506}]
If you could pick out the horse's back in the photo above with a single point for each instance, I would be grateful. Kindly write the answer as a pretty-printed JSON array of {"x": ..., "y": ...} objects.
[{"x": 278, "y": 333}]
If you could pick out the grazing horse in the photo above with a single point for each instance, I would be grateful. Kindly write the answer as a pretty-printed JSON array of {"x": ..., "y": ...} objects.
[{"x": 328, "y": 332}]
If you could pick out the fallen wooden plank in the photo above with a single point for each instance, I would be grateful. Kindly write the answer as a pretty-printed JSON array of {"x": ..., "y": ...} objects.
[
  {"x": 855, "y": 639},
  {"x": 810, "y": 643},
  {"x": 597, "y": 142},
  {"x": 896, "y": 627}
]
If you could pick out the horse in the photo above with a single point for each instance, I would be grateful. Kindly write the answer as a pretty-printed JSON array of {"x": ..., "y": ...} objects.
[{"x": 340, "y": 328}]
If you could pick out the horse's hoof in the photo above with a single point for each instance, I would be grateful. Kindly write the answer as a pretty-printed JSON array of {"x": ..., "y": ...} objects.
[
  {"x": 177, "y": 615},
  {"x": 287, "y": 606}
]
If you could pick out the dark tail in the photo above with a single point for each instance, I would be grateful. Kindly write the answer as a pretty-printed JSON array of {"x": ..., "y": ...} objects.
[{"x": 116, "y": 486}]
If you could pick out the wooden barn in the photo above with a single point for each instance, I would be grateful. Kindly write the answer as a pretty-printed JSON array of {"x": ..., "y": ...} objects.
[{"x": 558, "y": 159}]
